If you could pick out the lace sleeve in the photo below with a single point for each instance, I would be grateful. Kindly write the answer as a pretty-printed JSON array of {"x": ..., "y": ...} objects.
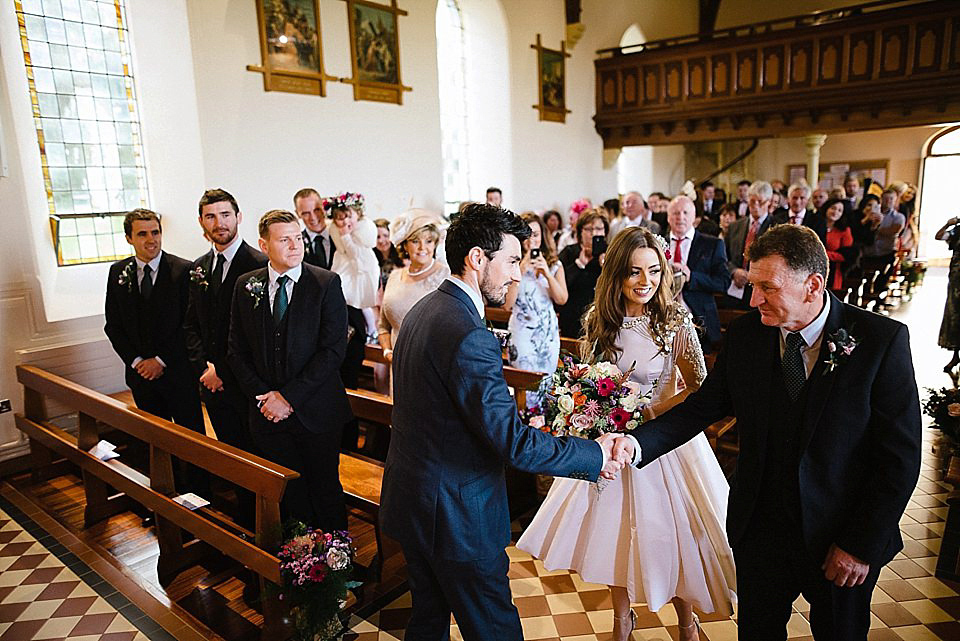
[{"x": 689, "y": 354}]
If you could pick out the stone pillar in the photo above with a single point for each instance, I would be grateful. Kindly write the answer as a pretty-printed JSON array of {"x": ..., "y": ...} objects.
[{"x": 813, "y": 143}]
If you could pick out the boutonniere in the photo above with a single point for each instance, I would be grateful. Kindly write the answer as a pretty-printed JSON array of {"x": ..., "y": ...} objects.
[
  {"x": 840, "y": 344},
  {"x": 128, "y": 275},
  {"x": 255, "y": 287},
  {"x": 198, "y": 276}
]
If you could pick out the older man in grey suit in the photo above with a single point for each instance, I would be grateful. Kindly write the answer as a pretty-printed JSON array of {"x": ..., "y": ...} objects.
[{"x": 741, "y": 234}]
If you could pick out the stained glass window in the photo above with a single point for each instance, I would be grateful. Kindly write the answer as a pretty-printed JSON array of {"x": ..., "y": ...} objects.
[
  {"x": 451, "y": 63},
  {"x": 81, "y": 86}
]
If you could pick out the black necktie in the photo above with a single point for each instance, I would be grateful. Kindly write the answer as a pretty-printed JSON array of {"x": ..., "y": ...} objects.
[
  {"x": 319, "y": 250},
  {"x": 280, "y": 300},
  {"x": 146, "y": 283},
  {"x": 794, "y": 371},
  {"x": 216, "y": 277}
]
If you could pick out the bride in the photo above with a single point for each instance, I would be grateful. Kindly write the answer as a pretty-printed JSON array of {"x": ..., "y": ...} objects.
[{"x": 654, "y": 534}]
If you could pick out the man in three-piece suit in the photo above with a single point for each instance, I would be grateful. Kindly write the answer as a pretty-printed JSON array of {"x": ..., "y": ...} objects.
[
  {"x": 288, "y": 333},
  {"x": 213, "y": 277},
  {"x": 829, "y": 422},
  {"x": 703, "y": 262},
  {"x": 741, "y": 234},
  {"x": 454, "y": 428},
  {"x": 317, "y": 245},
  {"x": 145, "y": 305}
]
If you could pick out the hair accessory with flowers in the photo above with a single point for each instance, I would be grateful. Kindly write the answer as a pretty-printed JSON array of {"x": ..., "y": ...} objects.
[
  {"x": 255, "y": 288},
  {"x": 316, "y": 568},
  {"x": 662, "y": 244},
  {"x": 343, "y": 200},
  {"x": 198, "y": 276},
  {"x": 840, "y": 344},
  {"x": 580, "y": 206},
  {"x": 128, "y": 275}
]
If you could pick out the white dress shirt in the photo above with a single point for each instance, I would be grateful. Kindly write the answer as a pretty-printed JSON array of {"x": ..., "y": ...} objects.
[
  {"x": 324, "y": 240},
  {"x": 686, "y": 241},
  {"x": 796, "y": 218},
  {"x": 228, "y": 255},
  {"x": 273, "y": 275},
  {"x": 472, "y": 293}
]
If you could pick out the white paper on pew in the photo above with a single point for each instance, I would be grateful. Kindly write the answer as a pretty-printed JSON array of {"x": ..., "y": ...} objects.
[
  {"x": 104, "y": 450},
  {"x": 736, "y": 292},
  {"x": 191, "y": 501}
]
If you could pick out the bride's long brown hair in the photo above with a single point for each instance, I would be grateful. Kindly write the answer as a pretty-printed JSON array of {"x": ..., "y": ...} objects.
[{"x": 604, "y": 318}]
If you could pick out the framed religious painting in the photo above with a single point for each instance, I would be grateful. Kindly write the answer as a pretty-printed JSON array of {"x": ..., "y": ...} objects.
[
  {"x": 291, "y": 49},
  {"x": 551, "y": 81},
  {"x": 375, "y": 51}
]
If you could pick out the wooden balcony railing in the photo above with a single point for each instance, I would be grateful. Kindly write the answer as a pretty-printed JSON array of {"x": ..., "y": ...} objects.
[{"x": 871, "y": 66}]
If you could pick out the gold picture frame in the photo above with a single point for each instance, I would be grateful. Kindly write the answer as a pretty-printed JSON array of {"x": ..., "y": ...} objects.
[
  {"x": 291, "y": 47},
  {"x": 551, "y": 82},
  {"x": 375, "y": 51}
]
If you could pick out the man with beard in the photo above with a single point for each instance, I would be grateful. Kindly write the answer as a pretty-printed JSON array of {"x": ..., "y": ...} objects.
[
  {"x": 207, "y": 324},
  {"x": 455, "y": 427}
]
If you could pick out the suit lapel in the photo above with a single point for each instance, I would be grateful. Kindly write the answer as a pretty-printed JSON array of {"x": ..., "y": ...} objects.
[
  {"x": 765, "y": 375},
  {"x": 449, "y": 288},
  {"x": 821, "y": 381}
]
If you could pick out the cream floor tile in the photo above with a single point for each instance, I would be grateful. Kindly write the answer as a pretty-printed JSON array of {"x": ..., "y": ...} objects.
[
  {"x": 720, "y": 630},
  {"x": 936, "y": 527},
  {"x": 801, "y": 605},
  {"x": 24, "y": 594},
  {"x": 668, "y": 614},
  {"x": 39, "y": 610},
  {"x": 879, "y": 596},
  {"x": 886, "y": 574},
  {"x": 119, "y": 624},
  {"x": 102, "y": 607},
  {"x": 564, "y": 603},
  {"x": 50, "y": 562},
  {"x": 926, "y": 611},
  {"x": 928, "y": 563},
  {"x": 916, "y": 633},
  {"x": 797, "y": 626},
  {"x": 538, "y": 628},
  {"x": 649, "y": 634},
  {"x": 526, "y": 587},
  {"x": 931, "y": 587},
  {"x": 13, "y": 577},
  {"x": 932, "y": 544},
  {"x": 363, "y": 626},
  {"x": 515, "y": 554},
  {"x": 602, "y": 620},
  {"x": 57, "y": 628},
  {"x": 405, "y": 600}
]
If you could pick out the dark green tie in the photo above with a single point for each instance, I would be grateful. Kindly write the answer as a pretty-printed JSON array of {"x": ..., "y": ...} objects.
[
  {"x": 216, "y": 277},
  {"x": 280, "y": 301},
  {"x": 319, "y": 251},
  {"x": 146, "y": 284},
  {"x": 794, "y": 371}
]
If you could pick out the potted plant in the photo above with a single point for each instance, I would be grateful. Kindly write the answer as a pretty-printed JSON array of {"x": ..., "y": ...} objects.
[{"x": 943, "y": 406}]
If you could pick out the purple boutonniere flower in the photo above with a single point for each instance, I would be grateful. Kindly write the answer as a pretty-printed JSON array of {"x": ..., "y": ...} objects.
[
  {"x": 128, "y": 276},
  {"x": 198, "y": 276},
  {"x": 254, "y": 288},
  {"x": 840, "y": 345}
]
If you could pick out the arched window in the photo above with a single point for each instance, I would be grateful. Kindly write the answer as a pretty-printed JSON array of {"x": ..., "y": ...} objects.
[
  {"x": 451, "y": 65},
  {"x": 938, "y": 193},
  {"x": 81, "y": 86}
]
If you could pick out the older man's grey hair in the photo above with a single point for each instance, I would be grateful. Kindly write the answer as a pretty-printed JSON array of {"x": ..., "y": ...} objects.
[
  {"x": 805, "y": 188},
  {"x": 761, "y": 189},
  {"x": 797, "y": 245}
]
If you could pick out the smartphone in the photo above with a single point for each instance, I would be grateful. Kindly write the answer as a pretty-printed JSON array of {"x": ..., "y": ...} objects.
[
  {"x": 535, "y": 253},
  {"x": 599, "y": 245}
]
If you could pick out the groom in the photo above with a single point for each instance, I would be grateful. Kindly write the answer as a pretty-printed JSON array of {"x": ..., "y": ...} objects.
[
  {"x": 455, "y": 426},
  {"x": 829, "y": 422}
]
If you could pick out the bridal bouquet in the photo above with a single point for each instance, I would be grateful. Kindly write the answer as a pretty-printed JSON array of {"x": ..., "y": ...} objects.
[
  {"x": 316, "y": 568},
  {"x": 587, "y": 400}
]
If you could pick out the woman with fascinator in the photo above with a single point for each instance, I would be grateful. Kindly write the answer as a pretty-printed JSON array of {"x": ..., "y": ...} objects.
[
  {"x": 654, "y": 534},
  {"x": 416, "y": 233}
]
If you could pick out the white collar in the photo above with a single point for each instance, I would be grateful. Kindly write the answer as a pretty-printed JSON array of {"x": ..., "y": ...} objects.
[
  {"x": 759, "y": 221},
  {"x": 154, "y": 264},
  {"x": 312, "y": 234},
  {"x": 812, "y": 332},
  {"x": 689, "y": 234},
  {"x": 293, "y": 273},
  {"x": 471, "y": 292},
  {"x": 230, "y": 251}
]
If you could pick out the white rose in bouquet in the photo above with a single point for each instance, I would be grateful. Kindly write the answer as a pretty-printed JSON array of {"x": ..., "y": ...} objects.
[{"x": 565, "y": 403}]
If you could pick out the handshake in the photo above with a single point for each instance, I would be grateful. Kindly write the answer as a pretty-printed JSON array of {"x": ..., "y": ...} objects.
[{"x": 618, "y": 452}]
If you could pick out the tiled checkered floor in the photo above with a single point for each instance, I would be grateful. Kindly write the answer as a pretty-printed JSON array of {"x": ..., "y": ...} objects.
[{"x": 41, "y": 598}]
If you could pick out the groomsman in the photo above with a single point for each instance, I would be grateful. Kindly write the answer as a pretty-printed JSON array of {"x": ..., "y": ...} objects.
[
  {"x": 145, "y": 305},
  {"x": 207, "y": 325},
  {"x": 318, "y": 246},
  {"x": 288, "y": 335}
]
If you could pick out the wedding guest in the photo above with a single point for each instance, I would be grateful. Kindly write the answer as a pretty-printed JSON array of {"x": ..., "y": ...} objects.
[
  {"x": 818, "y": 197},
  {"x": 653, "y": 535},
  {"x": 207, "y": 325},
  {"x": 554, "y": 222},
  {"x": 740, "y": 235},
  {"x": 354, "y": 236},
  {"x": 839, "y": 243},
  {"x": 533, "y": 325},
  {"x": 706, "y": 204},
  {"x": 581, "y": 270},
  {"x": 635, "y": 214},
  {"x": 881, "y": 254},
  {"x": 819, "y": 493},
  {"x": 288, "y": 331},
  {"x": 741, "y": 204},
  {"x": 494, "y": 196},
  {"x": 319, "y": 248},
  {"x": 851, "y": 188},
  {"x": 657, "y": 203},
  {"x": 776, "y": 207},
  {"x": 707, "y": 225},
  {"x": 949, "y": 337},
  {"x": 611, "y": 208},
  {"x": 569, "y": 235},
  {"x": 417, "y": 234},
  {"x": 798, "y": 214},
  {"x": 387, "y": 256},
  {"x": 455, "y": 429},
  {"x": 728, "y": 214}
]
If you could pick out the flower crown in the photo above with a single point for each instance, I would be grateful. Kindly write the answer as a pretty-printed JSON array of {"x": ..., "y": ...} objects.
[
  {"x": 662, "y": 244},
  {"x": 343, "y": 200}
]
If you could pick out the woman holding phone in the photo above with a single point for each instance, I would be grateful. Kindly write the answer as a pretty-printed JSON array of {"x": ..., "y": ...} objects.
[
  {"x": 950, "y": 327},
  {"x": 534, "y": 331},
  {"x": 581, "y": 264}
]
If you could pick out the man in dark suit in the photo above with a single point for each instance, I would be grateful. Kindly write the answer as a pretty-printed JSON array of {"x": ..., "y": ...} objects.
[
  {"x": 145, "y": 305},
  {"x": 740, "y": 235},
  {"x": 702, "y": 261},
  {"x": 288, "y": 333},
  {"x": 455, "y": 426},
  {"x": 317, "y": 244},
  {"x": 798, "y": 214},
  {"x": 741, "y": 203},
  {"x": 829, "y": 422},
  {"x": 658, "y": 202},
  {"x": 213, "y": 277},
  {"x": 707, "y": 206}
]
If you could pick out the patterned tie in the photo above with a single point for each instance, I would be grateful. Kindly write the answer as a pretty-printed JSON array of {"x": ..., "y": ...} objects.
[
  {"x": 677, "y": 255},
  {"x": 280, "y": 300},
  {"x": 146, "y": 284},
  {"x": 751, "y": 236},
  {"x": 216, "y": 277},
  {"x": 794, "y": 371},
  {"x": 319, "y": 250}
]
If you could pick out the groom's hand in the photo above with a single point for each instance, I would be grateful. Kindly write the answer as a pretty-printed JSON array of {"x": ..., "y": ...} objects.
[
  {"x": 844, "y": 569},
  {"x": 611, "y": 464},
  {"x": 623, "y": 450}
]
